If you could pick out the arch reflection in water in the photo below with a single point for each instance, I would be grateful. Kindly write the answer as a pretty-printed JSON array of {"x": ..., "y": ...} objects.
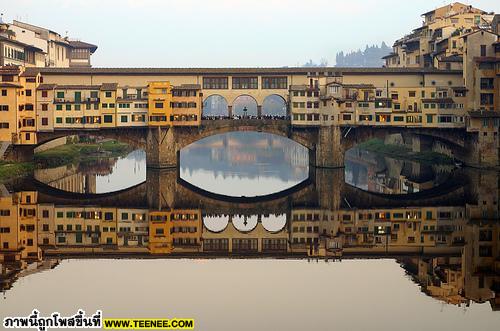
[
  {"x": 243, "y": 223},
  {"x": 215, "y": 223},
  {"x": 377, "y": 173},
  {"x": 244, "y": 164},
  {"x": 448, "y": 244},
  {"x": 102, "y": 175}
]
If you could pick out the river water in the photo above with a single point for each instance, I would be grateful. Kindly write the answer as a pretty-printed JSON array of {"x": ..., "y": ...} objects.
[{"x": 245, "y": 235}]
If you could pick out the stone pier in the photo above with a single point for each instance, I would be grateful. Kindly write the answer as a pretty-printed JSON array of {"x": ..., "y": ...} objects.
[{"x": 163, "y": 144}]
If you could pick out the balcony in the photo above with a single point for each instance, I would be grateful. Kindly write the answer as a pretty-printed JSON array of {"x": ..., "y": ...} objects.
[
  {"x": 133, "y": 97},
  {"x": 92, "y": 100}
]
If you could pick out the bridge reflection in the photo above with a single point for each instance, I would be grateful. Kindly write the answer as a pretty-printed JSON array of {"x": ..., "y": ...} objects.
[{"x": 448, "y": 241}]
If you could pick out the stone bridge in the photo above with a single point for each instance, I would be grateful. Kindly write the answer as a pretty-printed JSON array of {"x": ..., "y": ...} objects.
[{"x": 326, "y": 144}]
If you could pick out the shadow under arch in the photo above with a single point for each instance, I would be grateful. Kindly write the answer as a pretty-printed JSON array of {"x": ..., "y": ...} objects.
[
  {"x": 449, "y": 191},
  {"x": 55, "y": 192},
  {"x": 243, "y": 199},
  {"x": 278, "y": 127},
  {"x": 451, "y": 138}
]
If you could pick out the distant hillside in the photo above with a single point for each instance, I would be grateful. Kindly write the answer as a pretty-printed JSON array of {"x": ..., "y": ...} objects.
[{"x": 370, "y": 57}]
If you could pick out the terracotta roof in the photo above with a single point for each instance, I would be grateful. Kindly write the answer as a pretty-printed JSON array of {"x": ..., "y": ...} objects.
[
  {"x": 476, "y": 31},
  {"x": 298, "y": 87},
  {"x": 485, "y": 113},
  {"x": 46, "y": 87},
  {"x": 441, "y": 100},
  {"x": 21, "y": 44},
  {"x": 388, "y": 56},
  {"x": 452, "y": 58},
  {"x": 77, "y": 87},
  {"x": 231, "y": 71},
  {"x": 109, "y": 86},
  {"x": 5, "y": 85},
  {"x": 188, "y": 87},
  {"x": 486, "y": 59},
  {"x": 81, "y": 44},
  {"x": 359, "y": 86},
  {"x": 9, "y": 70}
]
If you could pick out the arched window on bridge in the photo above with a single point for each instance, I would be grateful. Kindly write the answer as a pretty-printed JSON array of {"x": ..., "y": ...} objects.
[
  {"x": 245, "y": 105},
  {"x": 274, "y": 105},
  {"x": 215, "y": 106}
]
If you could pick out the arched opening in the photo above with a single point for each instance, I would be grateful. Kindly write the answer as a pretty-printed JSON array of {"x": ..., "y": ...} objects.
[
  {"x": 245, "y": 223},
  {"x": 396, "y": 164},
  {"x": 244, "y": 164},
  {"x": 244, "y": 106},
  {"x": 215, "y": 223},
  {"x": 215, "y": 106},
  {"x": 274, "y": 223},
  {"x": 274, "y": 106},
  {"x": 89, "y": 164}
]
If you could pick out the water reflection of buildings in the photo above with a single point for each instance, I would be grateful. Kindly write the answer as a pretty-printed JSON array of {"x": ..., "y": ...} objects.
[
  {"x": 77, "y": 178},
  {"x": 376, "y": 173},
  {"x": 447, "y": 241},
  {"x": 452, "y": 252},
  {"x": 250, "y": 154}
]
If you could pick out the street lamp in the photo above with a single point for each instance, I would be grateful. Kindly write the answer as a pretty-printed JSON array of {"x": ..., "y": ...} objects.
[{"x": 245, "y": 111}]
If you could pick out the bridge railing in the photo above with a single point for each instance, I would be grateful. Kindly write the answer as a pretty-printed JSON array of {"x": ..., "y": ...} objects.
[{"x": 238, "y": 117}]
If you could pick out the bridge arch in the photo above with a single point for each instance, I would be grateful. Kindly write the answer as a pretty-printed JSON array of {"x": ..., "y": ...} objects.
[
  {"x": 215, "y": 105},
  {"x": 274, "y": 105},
  {"x": 452, "y": 140},
  {"x": 135, "y": 137},
  {"x": 245, "y": 105},
  {"x": 279, "y": 127}
]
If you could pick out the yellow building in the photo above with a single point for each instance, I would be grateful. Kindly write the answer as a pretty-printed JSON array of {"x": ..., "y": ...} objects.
[
  {"x": 107, "y": 99},
  {"x": 9, "y": 88},
  {"x": 186, "y": 105},
  {"x": 45, "y": 107},
  {"x": 132, "y": 106},
  {"x": 159, "y": 100},
  {"x": 160, "y": 234},
  {"x": 24, "y": 44}
]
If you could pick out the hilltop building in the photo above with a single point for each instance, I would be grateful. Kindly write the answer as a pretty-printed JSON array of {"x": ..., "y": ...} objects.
[{"x": 23, "y": 44}]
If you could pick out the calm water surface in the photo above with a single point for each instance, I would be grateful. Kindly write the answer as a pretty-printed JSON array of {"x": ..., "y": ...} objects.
[
  {"x": 382, "y": 244},
  {"x": 95, "y": 177},
  {"x": 244, "y": 164}
]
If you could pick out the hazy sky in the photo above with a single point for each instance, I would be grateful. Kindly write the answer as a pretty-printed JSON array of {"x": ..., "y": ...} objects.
[{"x": 223, "y": 33}]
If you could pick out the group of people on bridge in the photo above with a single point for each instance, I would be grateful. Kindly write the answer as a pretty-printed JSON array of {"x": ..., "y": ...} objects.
[{"x": 241, "y": 117}]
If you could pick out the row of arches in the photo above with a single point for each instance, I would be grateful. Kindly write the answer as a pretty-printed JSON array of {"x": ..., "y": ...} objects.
[
  {"x": 245, "y": 224},
  {"x": 244, "y": 105}
]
